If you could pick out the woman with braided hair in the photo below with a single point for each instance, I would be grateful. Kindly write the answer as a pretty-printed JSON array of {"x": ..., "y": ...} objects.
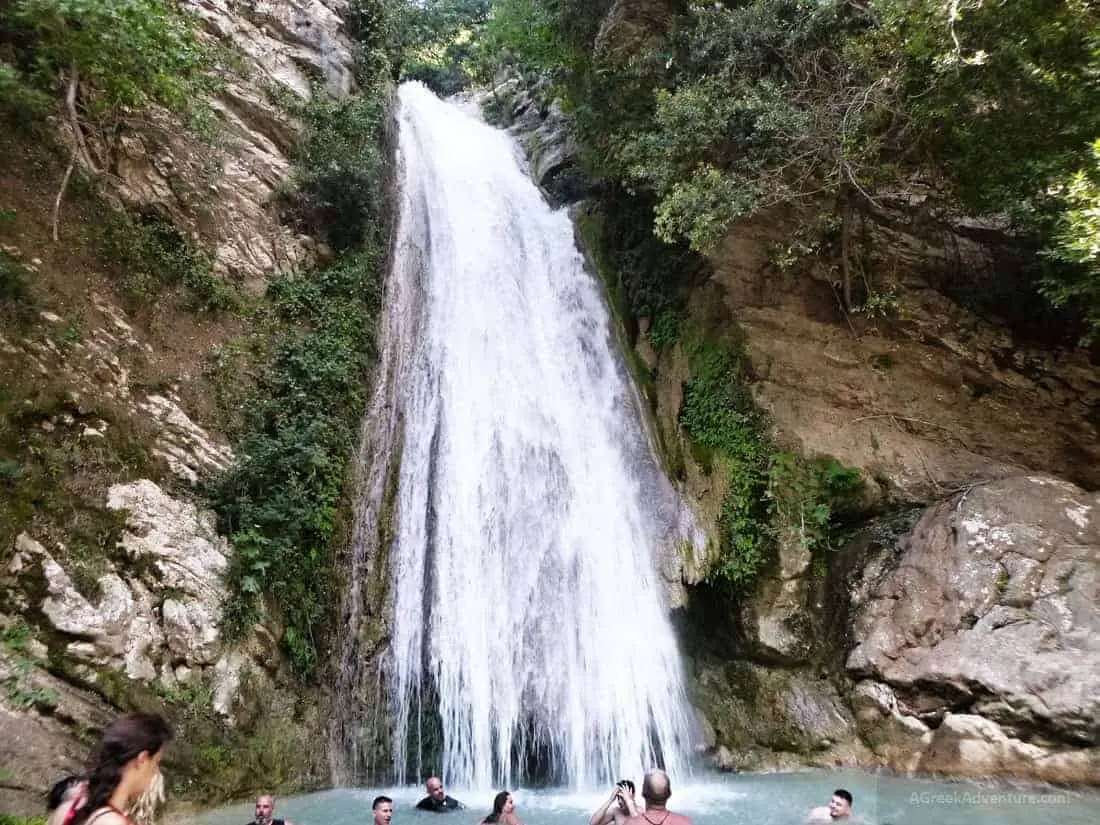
[{"x": 123, "y": 767}]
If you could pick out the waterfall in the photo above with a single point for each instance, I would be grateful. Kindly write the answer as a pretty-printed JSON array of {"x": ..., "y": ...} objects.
[{"x": 529, "y": 635}]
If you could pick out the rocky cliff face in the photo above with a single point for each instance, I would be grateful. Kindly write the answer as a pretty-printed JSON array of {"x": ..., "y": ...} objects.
[
  {"x": 224, "y": 195},
  {"x": 976, "y": 637},
  {"x": 955, "y": 632},
  {"x": 937, "y": 406},
  {"x": 111, "y": 592}
]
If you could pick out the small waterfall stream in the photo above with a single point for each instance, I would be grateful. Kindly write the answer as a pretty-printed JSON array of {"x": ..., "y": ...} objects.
[{"x": 528, "y": 630}]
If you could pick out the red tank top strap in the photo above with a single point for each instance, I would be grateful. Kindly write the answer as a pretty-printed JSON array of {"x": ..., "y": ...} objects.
[{"x": 73, "y": 808}]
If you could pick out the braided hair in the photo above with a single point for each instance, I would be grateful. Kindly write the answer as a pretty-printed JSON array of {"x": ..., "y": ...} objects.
[{"x": 123, "y": 741}]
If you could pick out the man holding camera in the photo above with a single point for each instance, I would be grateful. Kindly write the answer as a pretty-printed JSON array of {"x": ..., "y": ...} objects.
[{"x": 619, "y": 807}]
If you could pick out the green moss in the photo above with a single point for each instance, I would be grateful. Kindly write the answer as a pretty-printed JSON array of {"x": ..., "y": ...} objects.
[
  {"x": 728, "y": 434},
  {"x": 772, "y": 495}
]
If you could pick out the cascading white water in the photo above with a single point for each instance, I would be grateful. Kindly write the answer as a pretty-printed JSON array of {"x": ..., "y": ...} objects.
[{"x": 531, "y": 514}]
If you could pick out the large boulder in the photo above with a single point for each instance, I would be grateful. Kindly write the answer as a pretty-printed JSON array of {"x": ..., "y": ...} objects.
[
  {"x": 773, "y": 717},
  {"x": 988, "y": 612},
  {"x": 157, "y": 609}
]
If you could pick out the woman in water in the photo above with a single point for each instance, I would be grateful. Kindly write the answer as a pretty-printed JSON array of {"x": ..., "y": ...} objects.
[
  {"x": 504, "y": 811},
  {"x": 123, "y": 767}
]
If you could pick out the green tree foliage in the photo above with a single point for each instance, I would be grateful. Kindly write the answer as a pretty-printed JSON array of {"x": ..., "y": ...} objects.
[
  {"x": 1077, "y": 244},
  {"x": 340, "y": 169},
  {"x": 736, "y": 107},
  {"x": 1003, "y": 96},
  {"x": 438, "y": 40},
  {"x": 519, "y": 33},
  {"x": 132, "y": 53}
]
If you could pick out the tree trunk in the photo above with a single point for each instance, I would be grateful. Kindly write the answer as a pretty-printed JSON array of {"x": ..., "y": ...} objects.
[{"x": 845, "y": 206}]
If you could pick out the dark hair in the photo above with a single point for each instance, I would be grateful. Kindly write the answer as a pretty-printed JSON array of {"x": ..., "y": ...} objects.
[
  {"x": 626, "y": 783},
  {"x": 843, "y": 794},
  {"x": 379, "y": 800},
  {"x": 123, "y": 740},
  {"x": 498, "y": 806},
  {"x": 56, "y": 795}
]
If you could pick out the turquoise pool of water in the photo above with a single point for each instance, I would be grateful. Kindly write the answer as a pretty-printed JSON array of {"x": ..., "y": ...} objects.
[{"x": 759, "y": 799}]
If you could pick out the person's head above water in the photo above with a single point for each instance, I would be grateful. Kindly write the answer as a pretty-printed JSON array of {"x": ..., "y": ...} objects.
[
  {"x": 502, "y": 804},
  {"x": 434, "y": 786},
  {"x": 628, "y": 788},
  {"x": 124, "y": 763},
  {"x": 656, "y": 789},
  {"x": 383, "y": 810},
  {"x": 265, "y": 808},
  {"x": 840, "y": 806}
]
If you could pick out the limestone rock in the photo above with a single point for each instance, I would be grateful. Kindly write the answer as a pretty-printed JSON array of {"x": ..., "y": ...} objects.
[
  {"x": 223, "y": 196},
  {"x": 179, "y": 539},
  {"x": 789, "y": 711},
  {"x": 190, "y": 450},
  {"x": 555, "y": 158},
  {"x": 965, "y": 744},
  {"x": 171, "y": 546},
  {"x": 227, "y": 683},
  {"x": 929, "y": 402},
  {"x": 898, "y": 740},
  {"x": 118, "y": 630},
  {"x": 775, "y": 615},
  {"x": 990, "y": 610},
  {"x": 291, "y": 41},
  {"x": 190, "y": 557}
]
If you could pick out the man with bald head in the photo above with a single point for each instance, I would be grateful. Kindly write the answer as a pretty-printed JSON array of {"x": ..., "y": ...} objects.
[
  {"x": 656, "y": 789},
  {"x": 437, "y": 800},
  {"x": 265, "y": 812}
]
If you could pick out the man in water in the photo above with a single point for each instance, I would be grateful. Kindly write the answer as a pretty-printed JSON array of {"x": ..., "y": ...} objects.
[
  {"x": 383, "y": 810},
  {"x": 656, "y": 789},
  {"x": 619, "y": 807},
  {"x": 265, "y": 811},
  {"x": 838, "y": 809},
  {"x": 437, "y": 799}
]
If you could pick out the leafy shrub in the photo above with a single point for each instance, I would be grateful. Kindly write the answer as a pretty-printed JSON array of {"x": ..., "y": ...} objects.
[
  {"x": 133, "y": 52},
  {"x": 340, "y": 168},
  {"x": 154, "y": 258},
  {"x": 279, "y": 503}
]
